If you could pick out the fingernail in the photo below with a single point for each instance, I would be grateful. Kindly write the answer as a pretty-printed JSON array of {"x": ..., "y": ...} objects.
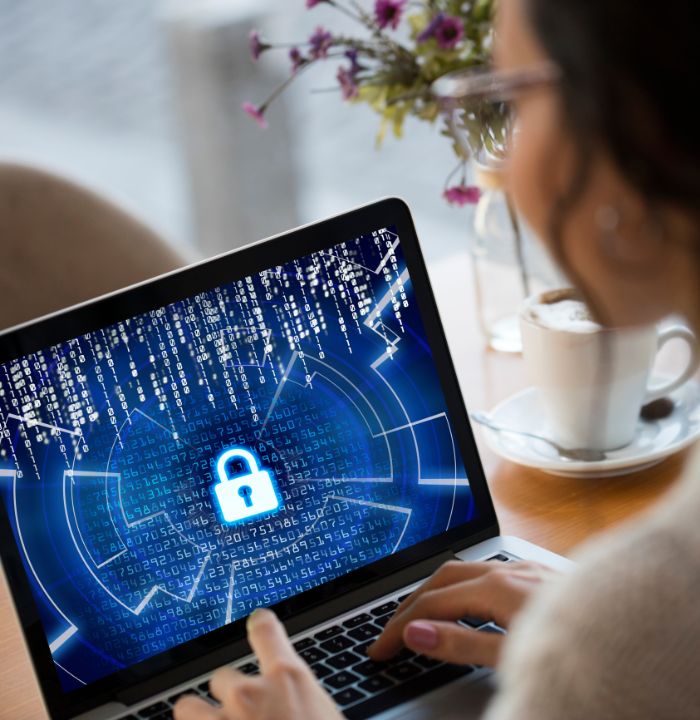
[
  {"x": 254, "y": 617},
  {"x": 421, "y": 635}
]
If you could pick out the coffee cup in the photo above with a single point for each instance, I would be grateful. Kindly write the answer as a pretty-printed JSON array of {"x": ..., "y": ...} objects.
[{"x": 592, "y": 380}]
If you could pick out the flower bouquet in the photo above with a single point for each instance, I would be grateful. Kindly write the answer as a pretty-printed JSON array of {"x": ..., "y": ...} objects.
[{"x": 405, "y": 45}]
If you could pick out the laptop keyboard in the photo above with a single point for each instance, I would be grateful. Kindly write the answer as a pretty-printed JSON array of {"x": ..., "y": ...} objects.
[{"x": 337, "y": 656}]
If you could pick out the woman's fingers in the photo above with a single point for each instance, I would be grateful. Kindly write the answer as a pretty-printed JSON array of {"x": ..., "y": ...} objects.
[
  {"x": 190, "y": 707},
  {"x": 270, "y": 641},
  {"x": 491, "y": 591},
  {"x": 227, "y": 684},
  {"x": 285, "y": 688},
  {"x": 473, "y": 597},
  {"x": 453, "y": 643},
  {"x": 448, "y": 573},
  {"x": 493, "y": 595}
]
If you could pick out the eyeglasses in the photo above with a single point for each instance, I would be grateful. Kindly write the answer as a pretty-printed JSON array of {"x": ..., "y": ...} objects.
[{"x": 478, "y": 104}]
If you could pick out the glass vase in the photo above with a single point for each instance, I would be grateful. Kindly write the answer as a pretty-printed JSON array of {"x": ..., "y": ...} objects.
[{"x": 507, "y": 262}]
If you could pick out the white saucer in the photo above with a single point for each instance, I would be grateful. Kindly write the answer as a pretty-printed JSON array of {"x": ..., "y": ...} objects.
[{"x": 653, "y": 442}]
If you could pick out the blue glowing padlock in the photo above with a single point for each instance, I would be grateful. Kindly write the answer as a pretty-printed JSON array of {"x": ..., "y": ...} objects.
[{"x": 247, "y": 495}]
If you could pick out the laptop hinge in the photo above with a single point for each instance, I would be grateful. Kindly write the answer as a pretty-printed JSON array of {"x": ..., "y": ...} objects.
[{"x": 295, "y": 625}]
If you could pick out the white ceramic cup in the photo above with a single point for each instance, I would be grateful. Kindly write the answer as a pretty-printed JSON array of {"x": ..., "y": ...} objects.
[{"x": 593, "y": 381}]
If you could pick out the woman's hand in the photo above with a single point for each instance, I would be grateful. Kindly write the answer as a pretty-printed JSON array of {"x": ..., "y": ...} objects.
[
  {"x": 424, "y": 622},
  {"x": 286, "y": 689}
]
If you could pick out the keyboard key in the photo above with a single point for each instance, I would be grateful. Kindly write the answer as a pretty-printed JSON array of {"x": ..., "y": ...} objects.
[
  {"x": 337, "y": 644},
  {"x": 472, "y": 621},
  {"x": 320, "y": 670},
  {"x": 304, "y": 643},
  {"x": 368, "y": 631},
  {"x": 460, "y": 669},
  {"x": 204, "y": 687},
  {"x": 403, "y": 597},
  {"x": 376, "y": 683},
  {"x": 426, "y": 662},
  {"x": 348, "y": 697},
  {"x": 394, "y": 696},
  {"x": 403, "y": 654},
  {"x": 404, "y": 671},
  {"x": 174, "y": 698},
  {"x": 329, "y": 632},
  {"x": 382, "y": 621},
  {"x": 167, "y": 715},
  {"x": 492, "y": 628},
  {"x": 343, "y": 660},
  {"x": 500, "y": 558},
  {"x": 369, "y": 667},
  {"x": 361, "y": 648},
  {"x": 153, "y": 710},
  {"x": 312, "y": 655},
  {"x": 341, "y": 679},
  {"x": 357, "y": 620},
  {"x": 249, "y": 668},
  {"x": 387, "y": 607}
]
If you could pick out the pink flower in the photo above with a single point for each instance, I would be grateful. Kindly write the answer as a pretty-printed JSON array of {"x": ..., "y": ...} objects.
[
  {"x": 313, "y": 3},
  {"x": 320, "y": 41},
  {"x": 388, "y": 12},
  {"x": 257, "y": 46},
  {"x": 462, "y": 195},
  {"x": 449, "y": 32},
  {"x": 348, "y": 86},
  {"x": 257, "y": 113}
]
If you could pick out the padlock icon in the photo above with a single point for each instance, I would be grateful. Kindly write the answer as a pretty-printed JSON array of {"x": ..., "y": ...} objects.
[{"x": 247, "y": 495}]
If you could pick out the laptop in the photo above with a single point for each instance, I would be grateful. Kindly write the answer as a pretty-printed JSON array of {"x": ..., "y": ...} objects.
[{"x": 279, "y": 426}]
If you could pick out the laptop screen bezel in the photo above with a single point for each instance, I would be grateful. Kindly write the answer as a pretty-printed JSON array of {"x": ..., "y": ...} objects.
[{"x": 192, "y": 280}]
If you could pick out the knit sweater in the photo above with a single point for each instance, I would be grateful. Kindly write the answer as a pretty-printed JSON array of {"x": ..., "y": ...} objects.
[{"x": 619, "y": 636}]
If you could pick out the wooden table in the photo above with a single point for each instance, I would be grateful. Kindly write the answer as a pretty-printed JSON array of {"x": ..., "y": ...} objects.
[{"x": 555, "y": 512}]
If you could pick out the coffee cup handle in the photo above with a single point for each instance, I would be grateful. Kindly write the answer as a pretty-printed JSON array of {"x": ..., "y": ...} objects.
[{"x": 672, "y": 333}]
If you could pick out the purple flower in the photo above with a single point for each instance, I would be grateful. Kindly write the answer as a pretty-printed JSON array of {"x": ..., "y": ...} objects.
[
  {"x": 257, "y": 46},
  {"x": 430, "y": 28},
  {"x": 320, "y": 41},
  {"x": 355, "y": 66},
  {"x": 388, "y": 12},
  {"x": 257, "y": 113},
  {"x": 297, "y": 59},
  {"x": 313, "y": 3},
  {"x": 449, "y": 32},
  {"x": 348, "y": 86},
  {"x": 462, "y": 195}
]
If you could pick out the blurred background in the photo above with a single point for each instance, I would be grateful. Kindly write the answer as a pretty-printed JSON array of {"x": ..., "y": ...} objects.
[{"x": 141, "y": 101}]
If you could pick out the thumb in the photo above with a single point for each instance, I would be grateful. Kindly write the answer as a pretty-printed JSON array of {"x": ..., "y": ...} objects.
[
  {"x": 269, "y": 639},
  {"x": 453, "y": 643}
]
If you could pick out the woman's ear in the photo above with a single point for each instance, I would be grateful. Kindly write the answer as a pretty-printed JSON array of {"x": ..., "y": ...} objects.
[{"x": 632, "y": 240}]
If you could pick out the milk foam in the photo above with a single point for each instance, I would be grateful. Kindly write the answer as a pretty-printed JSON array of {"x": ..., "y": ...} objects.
[{"x": 565, "y": 314}]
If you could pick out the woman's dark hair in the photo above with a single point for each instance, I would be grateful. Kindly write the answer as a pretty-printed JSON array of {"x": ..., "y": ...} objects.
[{"x": 630, "y": 75}]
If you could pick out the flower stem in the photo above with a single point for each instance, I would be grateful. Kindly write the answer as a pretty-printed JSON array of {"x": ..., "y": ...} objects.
[
  {"x": 347, "y": 11},
  {"x": 518, "y": 238},
  {"x": 461, "y": 165},
  {"x": 284, "y": 85}
]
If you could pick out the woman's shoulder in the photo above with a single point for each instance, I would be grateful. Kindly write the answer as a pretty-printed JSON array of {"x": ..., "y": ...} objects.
[{"x": 618, "y": 636}]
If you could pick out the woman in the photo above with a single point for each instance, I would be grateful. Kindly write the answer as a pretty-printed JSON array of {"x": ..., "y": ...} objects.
[{"x": 606, "y": 168}]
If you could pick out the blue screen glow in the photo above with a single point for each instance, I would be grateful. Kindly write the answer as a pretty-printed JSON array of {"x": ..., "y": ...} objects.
[{"x": 318, "y": 369}]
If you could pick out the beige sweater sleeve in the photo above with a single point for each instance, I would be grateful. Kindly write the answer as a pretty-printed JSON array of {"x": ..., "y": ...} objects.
[{"x": 619, "y": 637}]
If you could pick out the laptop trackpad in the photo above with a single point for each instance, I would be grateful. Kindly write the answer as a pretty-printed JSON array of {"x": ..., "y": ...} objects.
[{"x": 460, "y": 700}]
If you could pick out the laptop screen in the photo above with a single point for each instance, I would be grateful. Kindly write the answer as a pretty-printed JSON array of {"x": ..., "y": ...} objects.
[{"x": 167, "y": 474}]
